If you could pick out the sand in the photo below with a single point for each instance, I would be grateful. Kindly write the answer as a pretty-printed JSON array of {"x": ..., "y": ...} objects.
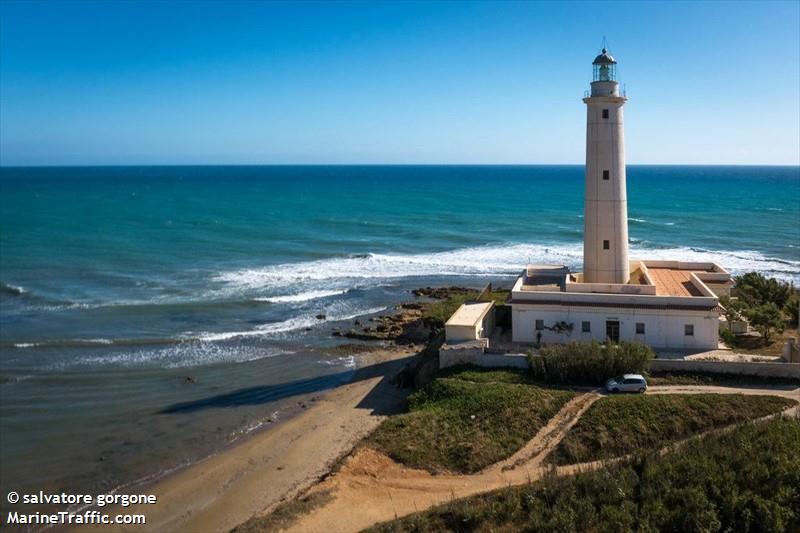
[{"x": 226, "y": 489}]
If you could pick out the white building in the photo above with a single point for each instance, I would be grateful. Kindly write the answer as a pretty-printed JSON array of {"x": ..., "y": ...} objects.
[{"x": 666, "y": 304}]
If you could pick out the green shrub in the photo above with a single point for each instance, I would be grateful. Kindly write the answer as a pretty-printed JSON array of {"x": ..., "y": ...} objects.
[
  {"x": 755, "y": 289},
  {"x": 456, "y": 424},
  {"x": 589, "y": 362},
  {"x": 746, "y": 480},
  {"x": 728, "y": 337},
  {"x": 619, "y": 425}
]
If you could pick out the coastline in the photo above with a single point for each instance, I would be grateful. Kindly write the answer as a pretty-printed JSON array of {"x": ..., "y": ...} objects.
[{"x": 274, "y": 464}]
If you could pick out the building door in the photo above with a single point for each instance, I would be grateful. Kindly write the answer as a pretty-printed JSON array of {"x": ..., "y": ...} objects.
[{"x": 612, "y": 330}]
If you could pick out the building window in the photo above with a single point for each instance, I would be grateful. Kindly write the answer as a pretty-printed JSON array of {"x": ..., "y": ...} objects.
[
  {"x": 539, "y": 325},
  {"x": 586, "y": 327},
  {"x": 605, "y": 113},
  {"x": 688, "y": 330},
  {"x": 640, "y": 328},
  {"x": 605, "y": 174},
  {"x": 606, "y": 245}
]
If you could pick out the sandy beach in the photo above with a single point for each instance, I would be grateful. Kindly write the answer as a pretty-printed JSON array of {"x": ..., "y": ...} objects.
[{"x": 250, "y": 478}]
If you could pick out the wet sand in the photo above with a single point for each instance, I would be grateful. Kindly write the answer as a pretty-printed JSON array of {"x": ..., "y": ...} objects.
[{"x": 274, "y": 465}]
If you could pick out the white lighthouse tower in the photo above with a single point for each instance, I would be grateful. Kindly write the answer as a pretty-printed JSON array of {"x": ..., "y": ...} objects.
[{"x": 605, "y": 234}]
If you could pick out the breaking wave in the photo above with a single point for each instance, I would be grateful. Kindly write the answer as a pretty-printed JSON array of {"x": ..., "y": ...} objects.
[
  {"x": 292, "y": 324},
  {"x": 339, "y": 273},
  {"x": 302, "y": 297}
]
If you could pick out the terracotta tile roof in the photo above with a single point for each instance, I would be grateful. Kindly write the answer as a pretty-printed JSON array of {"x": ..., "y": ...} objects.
[{"x": 672, "y": 282}]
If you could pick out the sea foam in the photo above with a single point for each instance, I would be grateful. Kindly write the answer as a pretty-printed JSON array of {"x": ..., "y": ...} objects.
[{"x": 474, "y": 262}]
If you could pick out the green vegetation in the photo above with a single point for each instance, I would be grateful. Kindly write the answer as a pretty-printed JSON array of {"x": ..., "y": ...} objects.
[
  {"x": 708, "y": 378},
  {"x": 767, "y": 303},
  {"x": 620, "y": 425},
  {"x": 589, "y": 363},
  {"x": 467, "y": 420},
  {"x": 477, "y": 374},
  {"x": 746, "y": 480}
]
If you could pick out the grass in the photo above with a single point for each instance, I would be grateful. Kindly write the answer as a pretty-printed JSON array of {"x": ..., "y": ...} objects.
[
  {"x": 745, "y": 480},
  {"x": 619, "y": 425},
  {"x": 466, "y": 420},
  {"x": 707, "y": 378}
]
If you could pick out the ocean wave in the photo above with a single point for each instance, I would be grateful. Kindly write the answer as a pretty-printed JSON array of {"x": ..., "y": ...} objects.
[
  {"x": 87, "y": 343},
  {"x": 12, "y": 290},
  {"x": 302, "y": 297},
  {"x": 275, "y": 328},
  {"x": 502, "y": 260},
  {"x": 637, "y": 220},
  {"x": 181, "y": 355}
]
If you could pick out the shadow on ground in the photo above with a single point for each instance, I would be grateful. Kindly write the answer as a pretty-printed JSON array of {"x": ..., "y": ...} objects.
[{"x": 375, "y": 399}]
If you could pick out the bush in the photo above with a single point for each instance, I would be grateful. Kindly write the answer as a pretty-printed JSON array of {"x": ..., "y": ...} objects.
[
  {"x": 766, "y": 319},
  {"x": 618, "y": 425},
  {"x": 746, "y": 480},
  {"x": 589, "y": 363},
  {"x": 755, "y": 289},
  {"x": 467, "y": 421}
]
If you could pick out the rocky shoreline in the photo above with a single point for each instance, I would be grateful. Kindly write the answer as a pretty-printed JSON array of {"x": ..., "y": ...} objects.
[{"x": 408, "y": 324}]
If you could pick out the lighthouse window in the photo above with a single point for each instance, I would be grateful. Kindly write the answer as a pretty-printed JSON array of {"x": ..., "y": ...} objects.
[
  {"x": 605, "y": 113},
  {"x": 605, "y": 174},
  {"x": 606, "y": 245}
]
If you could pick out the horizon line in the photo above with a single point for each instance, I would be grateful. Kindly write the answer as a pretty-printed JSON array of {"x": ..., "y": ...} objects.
[{"x": 125, "y": 165}]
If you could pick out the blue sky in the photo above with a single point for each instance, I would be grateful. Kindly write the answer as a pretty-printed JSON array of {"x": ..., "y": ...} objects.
[{"x": 452, "y": 82}]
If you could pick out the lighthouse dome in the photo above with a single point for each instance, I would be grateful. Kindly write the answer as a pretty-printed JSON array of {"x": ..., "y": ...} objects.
[{"x": 604, "y": 59}]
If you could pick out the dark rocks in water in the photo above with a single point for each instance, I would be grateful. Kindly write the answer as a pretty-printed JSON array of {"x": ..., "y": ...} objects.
[
  {"x": 307, "y": 329},
  {"x": 441, "y": 293},
  {"x": 189, "y": 380},
  {"x": 336, "y": 333},
  {"x": 411, "y": 305},
  {"x": 321, "y": 316},
  {"x": 353, "y": 334},
  {"x": 357, "y": 322}
]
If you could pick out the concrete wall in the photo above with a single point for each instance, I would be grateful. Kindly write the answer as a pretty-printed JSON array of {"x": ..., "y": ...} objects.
[
  {"x": 456, "y": 334},
  {"x": 663, "y": 328},
  {"x": 469, "y": 354},
  {"x": 778, "y": 370}
]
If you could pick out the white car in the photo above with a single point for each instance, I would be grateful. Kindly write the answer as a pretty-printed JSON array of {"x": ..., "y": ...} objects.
[{"x": 627, "y": 383}]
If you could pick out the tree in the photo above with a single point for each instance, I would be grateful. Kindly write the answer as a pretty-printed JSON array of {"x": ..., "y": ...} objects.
[
  {"x": 766, "y": 318},
  {"x": 792, "y": 308},
  {"x": 734, "y": 309},
  {"x": 754, "y": 289}
]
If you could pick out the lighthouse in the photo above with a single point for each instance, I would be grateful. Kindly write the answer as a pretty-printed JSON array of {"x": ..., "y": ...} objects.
[{"x": 605, "y": 232}]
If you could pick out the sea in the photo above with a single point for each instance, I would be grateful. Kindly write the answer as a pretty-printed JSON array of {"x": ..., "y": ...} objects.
[{"x": 150, "y": 316}]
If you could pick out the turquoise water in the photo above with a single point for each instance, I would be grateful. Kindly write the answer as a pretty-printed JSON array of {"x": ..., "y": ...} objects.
[{"x": 119, "y": 282}]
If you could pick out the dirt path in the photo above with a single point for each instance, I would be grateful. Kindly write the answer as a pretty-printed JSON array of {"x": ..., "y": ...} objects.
[
  {"x": 226, "y": 489},
  {"x": 371, "y": 488}
]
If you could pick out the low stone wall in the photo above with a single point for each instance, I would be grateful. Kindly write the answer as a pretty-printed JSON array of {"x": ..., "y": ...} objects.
[
  {"x": 776, "y": 370},
  {"x": 473, "y": 353}
]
